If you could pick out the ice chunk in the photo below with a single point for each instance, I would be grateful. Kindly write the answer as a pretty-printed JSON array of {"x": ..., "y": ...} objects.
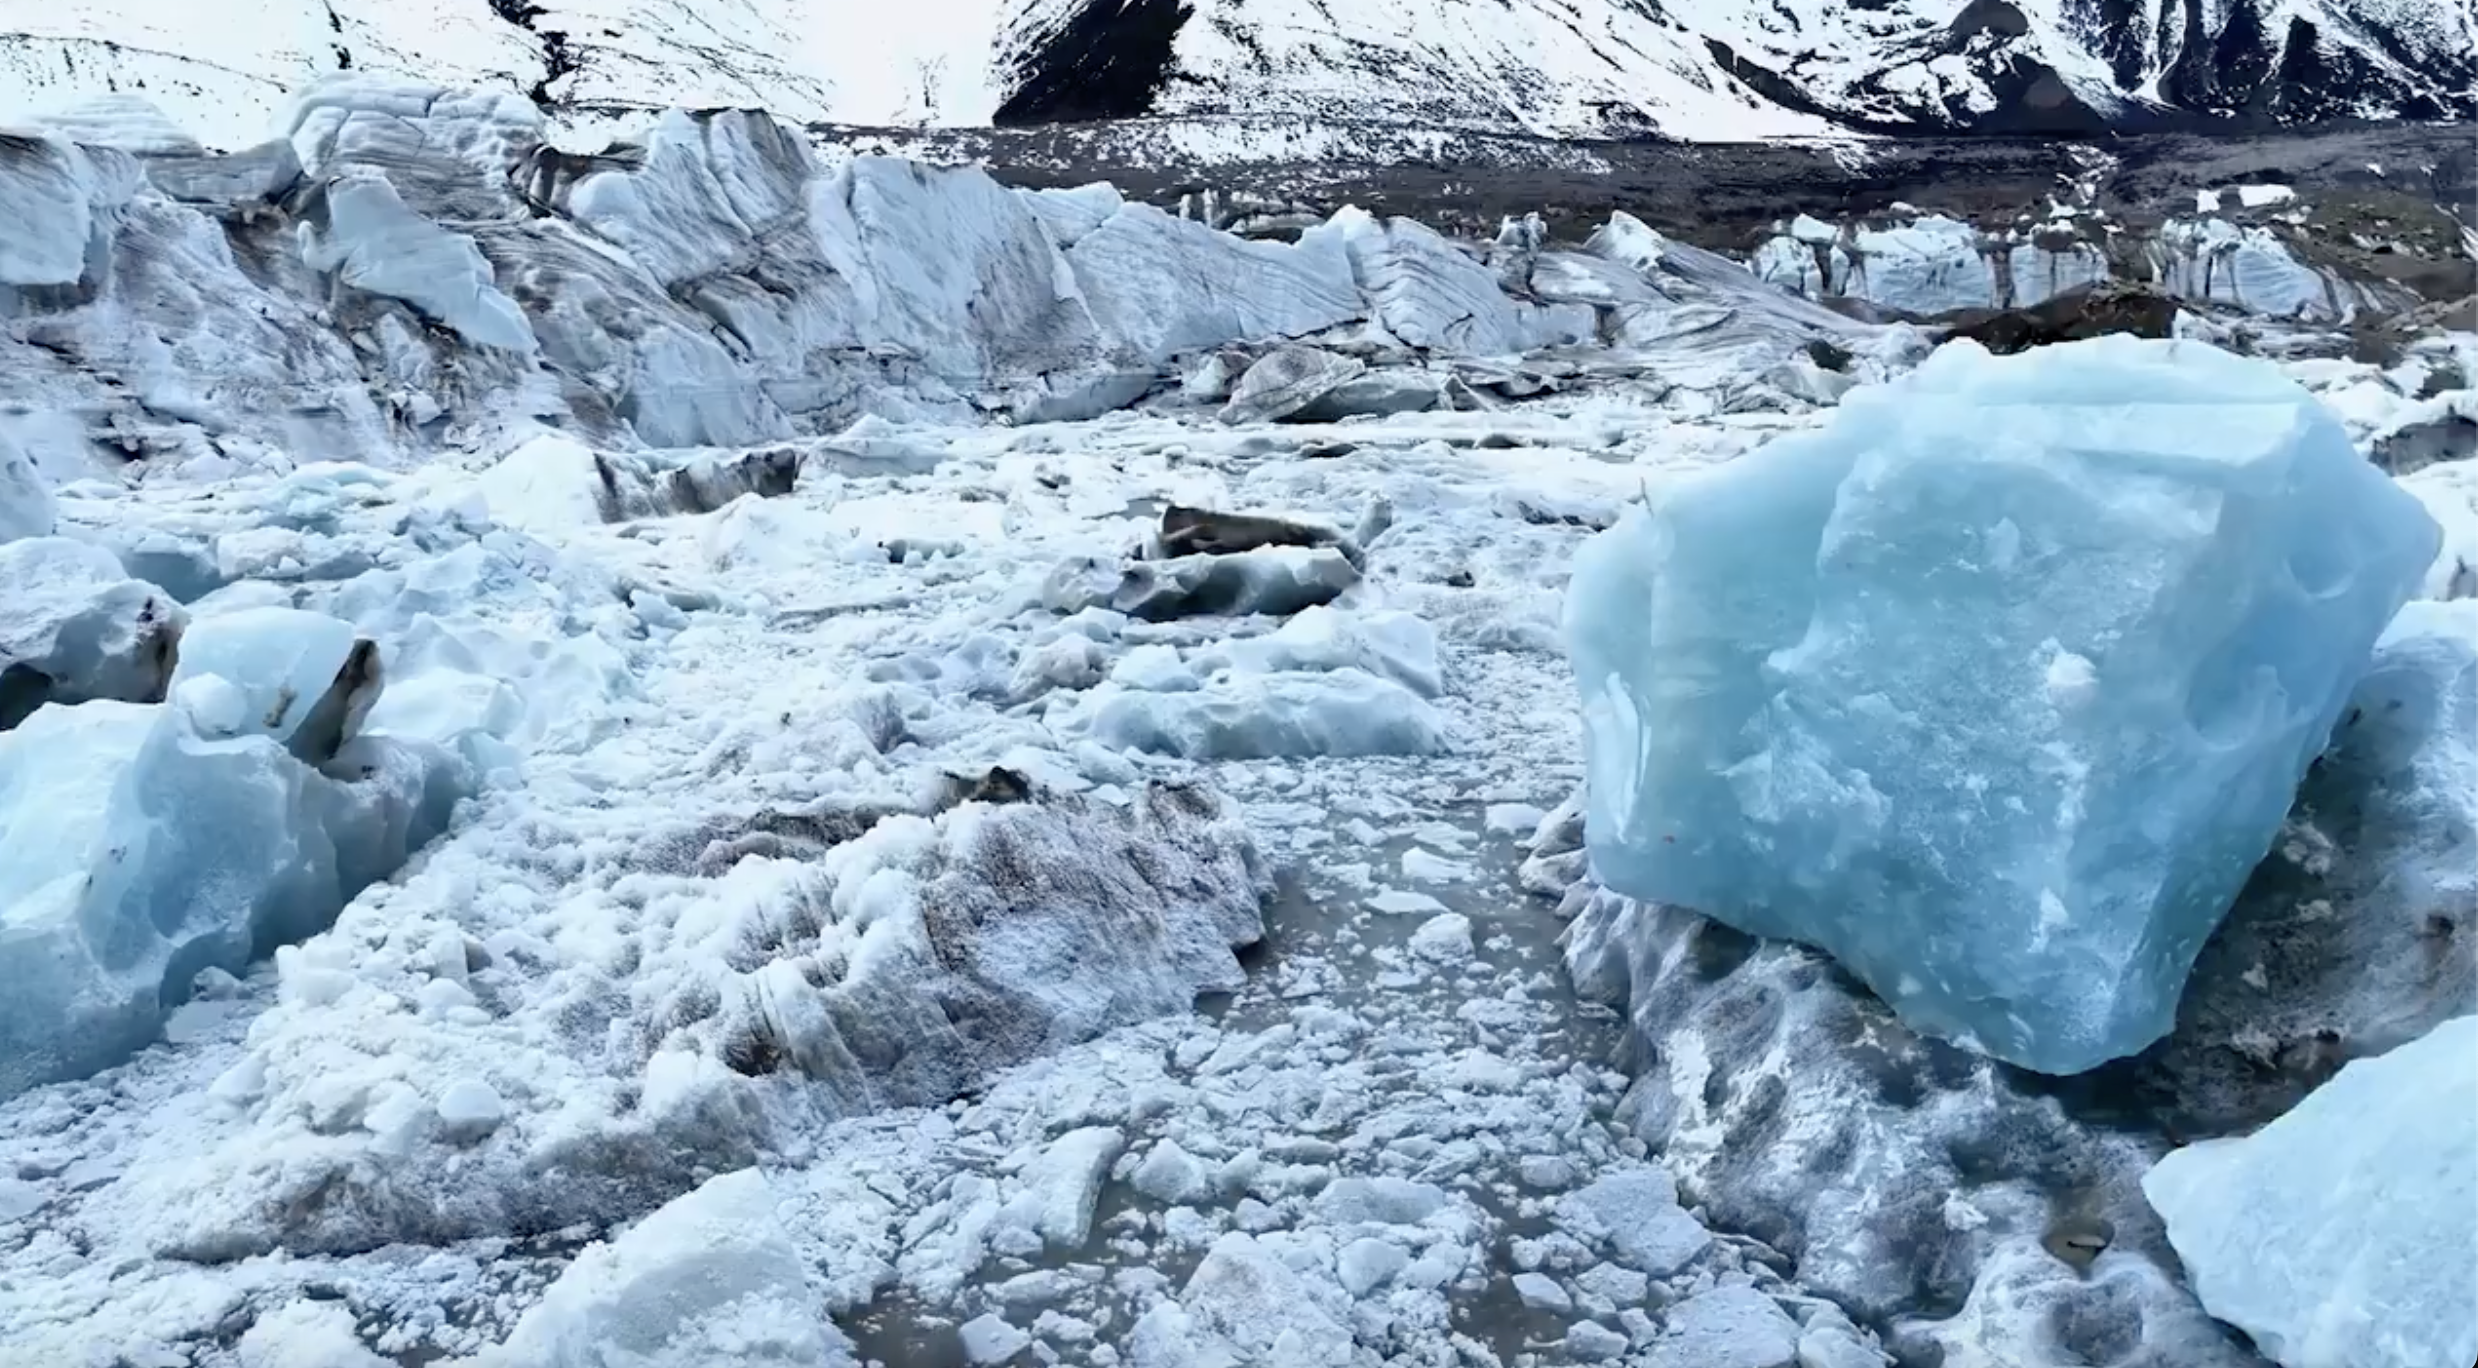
[
  {"x": 1249, "y": 1304},
  {"x": 1445, "y": 938},
  {"x": 135, "y": 852},
  {"x": 2339, "y": 1236},
  {"x": 1540, "y": 1292},
  {"x": 54, "y": 195},
  {"x": 709, "y": 1278},
  {"x": 2450, "y": 492},
  {"x": 2248, "y": 268},
  {"x": 74, "y": 626},
  {"x": 373, "y": 242},
  {"x": 1367, "y": 1263},
  {"x": 1172, "y": 1175},
  {"x": 1637, "y": 1212},
  {"x": 1727, "y": 1327},
  {"x": 1396, "y": 646},
  {"x": 306, "y": 1334},
  {"x": 1996, "y": 687},
  {"x": 1157, "y": 284},
  {"x": 26, "y": 508},
  {"x": 1062, "y": 1183},
  {"x": 303, "y": 678},
  {"x": 992, "y": 1338},
  {"x": 1256, "y": 717},
  {"x": 1287, "y": 380}
]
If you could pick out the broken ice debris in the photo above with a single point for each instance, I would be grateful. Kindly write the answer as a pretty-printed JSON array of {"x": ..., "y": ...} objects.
[
  {"x": 74, "y": 626},
  {"x": 302, "y": 678},
  {"x": 709, "y": 1278},
  {"x": 1997, "y": 686},
  {"x": 2341, "y": 1235}
]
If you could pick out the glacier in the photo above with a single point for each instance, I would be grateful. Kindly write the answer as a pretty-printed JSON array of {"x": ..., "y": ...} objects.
[
  {"x": 2339, "y": 1236},
  {"x": 1997, "y": 686}
]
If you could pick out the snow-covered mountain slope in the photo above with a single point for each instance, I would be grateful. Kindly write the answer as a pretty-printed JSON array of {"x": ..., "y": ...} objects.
[{"x": 1707, "y": 70}]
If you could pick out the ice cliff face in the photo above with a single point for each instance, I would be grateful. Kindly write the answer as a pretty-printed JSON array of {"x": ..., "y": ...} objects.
[
  {"x": 1695, "y": 69},
  {"x": 409, "y": 269}
]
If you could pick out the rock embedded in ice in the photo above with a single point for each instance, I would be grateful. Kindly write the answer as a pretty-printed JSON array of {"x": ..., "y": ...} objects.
[
  {"x": 1276, "y": 581},
  {"x": 708, "y": 1278},
  {"x": 1727, "y": 1327},
  {"x": 2339, "y": 1236},
  {"x": 1186, "y": 531},
  {"x": 304, "y": 678},
  {"x": 74, "y": 626},
  {"x": 1377, "y": 394},
  {"x": 1870, "y": 685}
]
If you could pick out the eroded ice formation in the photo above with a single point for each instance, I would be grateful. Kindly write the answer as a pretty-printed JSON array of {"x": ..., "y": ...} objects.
[
  {"x": 2340, "y": 1235},
  {"x": 1998, "y": 686}
]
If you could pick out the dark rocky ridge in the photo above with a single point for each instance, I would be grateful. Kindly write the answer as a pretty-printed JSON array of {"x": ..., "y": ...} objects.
[
  {"x": 2242, "y": 65},
  {"x": 1726, "y": 196}
]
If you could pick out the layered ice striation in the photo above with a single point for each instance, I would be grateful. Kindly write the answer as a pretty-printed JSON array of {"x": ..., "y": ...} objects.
[
  {"x": 1996, "y": 687},
  {"x": 2339, "y": 1236}
]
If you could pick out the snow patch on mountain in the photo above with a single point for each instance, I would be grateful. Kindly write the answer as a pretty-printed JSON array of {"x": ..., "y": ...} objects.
[{"x": 1700, "y": 70}]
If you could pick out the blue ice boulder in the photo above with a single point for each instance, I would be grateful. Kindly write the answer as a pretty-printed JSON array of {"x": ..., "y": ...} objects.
[
  {"x": 2342, "y": 1235},
  {"x": 136, "y": 850},
  {"x": 1996, "y": 687}
]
